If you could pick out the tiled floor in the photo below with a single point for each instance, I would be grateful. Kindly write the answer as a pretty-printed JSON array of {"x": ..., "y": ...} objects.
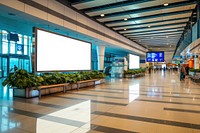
[{"x": 156, "y": 103}]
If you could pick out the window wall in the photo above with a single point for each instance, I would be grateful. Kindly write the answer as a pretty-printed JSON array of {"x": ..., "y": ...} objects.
[{"x": 14, "y": 52}]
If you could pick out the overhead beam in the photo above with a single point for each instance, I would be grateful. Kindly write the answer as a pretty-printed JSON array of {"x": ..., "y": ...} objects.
[
  {"x": 149, "y": 17},
  {"x": 179, "y": 30},
  {"x": 168, "y": 33},
  {"x": 149, "y": 23},
  {"x": 114, "y": 5},
  {"x": 155, "y": 30},
  {"x": 75, "y": 2},
  {"x": 143, "y": 10},
  {"x": 157, "y": 26}
]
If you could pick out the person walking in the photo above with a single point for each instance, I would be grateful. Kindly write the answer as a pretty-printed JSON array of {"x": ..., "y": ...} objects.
[{"x": 182, "y": 73}]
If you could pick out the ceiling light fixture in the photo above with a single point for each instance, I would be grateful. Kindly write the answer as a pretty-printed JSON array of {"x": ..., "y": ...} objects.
[
  {"x": 125, "y": 19},
  {"x": 167, "y": 37},
  {"x": 149, "y": 26},
  {"x": 124, "y": 29},
  {"x": 102, "y": 15},
  {"x": 166, "y": 4}
]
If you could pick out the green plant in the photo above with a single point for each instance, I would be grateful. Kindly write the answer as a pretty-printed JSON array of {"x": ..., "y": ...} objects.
[
  {"x": 195, "y": 70},
  {"x": 135, "y": 71},
  {"x": 22, "y": 79}
]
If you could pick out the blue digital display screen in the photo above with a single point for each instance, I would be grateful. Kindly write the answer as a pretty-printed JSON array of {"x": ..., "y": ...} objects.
[{"x": 155, "y": 56}]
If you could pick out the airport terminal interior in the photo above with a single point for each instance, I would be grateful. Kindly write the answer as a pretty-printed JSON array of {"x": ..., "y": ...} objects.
[{"x": 100, "y": 66}]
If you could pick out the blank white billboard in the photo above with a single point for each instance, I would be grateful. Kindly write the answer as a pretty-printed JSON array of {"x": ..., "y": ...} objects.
[
  {"x": 56, "y": 52},
  {"x": 134, "y": 61}
]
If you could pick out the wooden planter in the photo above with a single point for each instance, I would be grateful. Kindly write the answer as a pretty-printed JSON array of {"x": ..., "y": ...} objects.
[
  {"x": 86, "y": 83},
  {"x": 50, "y": 89},
  {"x": 33, "y": 92},
  {"x": 134, "y": 75},
  {"x": 25, "y": 93}
]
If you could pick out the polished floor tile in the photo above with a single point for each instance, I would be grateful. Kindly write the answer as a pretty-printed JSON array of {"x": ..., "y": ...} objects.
[{"x": 155, "y": 103}]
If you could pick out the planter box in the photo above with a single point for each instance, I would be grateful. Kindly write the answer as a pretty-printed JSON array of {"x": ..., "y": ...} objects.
[
  {"x": 30, "y": 93},
  {"x": 86, "y": 84},
  {"x": 100, "y": 81},
  {"x": 134, "y": 76},
  {"x": 129, "y": 76},
  {"x": 25, "y": 93}
]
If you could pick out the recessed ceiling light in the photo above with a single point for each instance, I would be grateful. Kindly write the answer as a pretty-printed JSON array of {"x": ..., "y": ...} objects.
[
  {"x": 167, "y": 37},
  {"x": 124, "y": 29},
  {"x": 125, "y": 19},
  {"x": 166, "y": 4},
  {"x": 149, "y": 26},
  {"x": 102, "y": 15}
]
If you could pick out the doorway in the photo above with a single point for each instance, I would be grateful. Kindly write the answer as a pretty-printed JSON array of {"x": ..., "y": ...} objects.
[{"x": 7, "y": 64}]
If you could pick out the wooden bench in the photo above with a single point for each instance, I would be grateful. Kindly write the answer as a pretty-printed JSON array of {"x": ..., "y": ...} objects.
[
  {"x": 85, "y": 81},
  {"x": 45, "y": 87}
]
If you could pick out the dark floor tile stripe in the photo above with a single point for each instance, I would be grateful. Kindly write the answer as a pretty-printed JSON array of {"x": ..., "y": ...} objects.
[
  {"x": 182, "y": 110},
  {"x": 165, "y": 92},
  {"x": 109, "y": 129},
  {"x": 39, "y": 103},
  {"x": 119, "y": 92},
  {"x": 94, "y": 101},
  {"x": 26, "y": 113},
  {"x": 98, "y": 96},
  {"x": 156, "y": 101},
  {"x": 151, "y": 120},
  {"x": 63, "y": 121},
  {"x": 47, "y": 117},
  {"x": 157, "y": 95}
]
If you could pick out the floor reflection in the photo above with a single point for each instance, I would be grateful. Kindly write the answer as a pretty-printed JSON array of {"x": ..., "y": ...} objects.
[
  {"x": 134, "y": 92},
  {"x": 66, "y": 120}
]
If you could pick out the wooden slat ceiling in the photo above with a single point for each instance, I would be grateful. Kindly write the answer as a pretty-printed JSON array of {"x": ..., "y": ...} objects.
[{"x": 150, "y": 23}]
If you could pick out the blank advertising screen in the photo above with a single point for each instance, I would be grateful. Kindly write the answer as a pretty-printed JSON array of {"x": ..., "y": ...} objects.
[
  {"x": 134, "y": 61},
  {"x": 56, "y": 52},
  {"x": 155, "y": 56}
]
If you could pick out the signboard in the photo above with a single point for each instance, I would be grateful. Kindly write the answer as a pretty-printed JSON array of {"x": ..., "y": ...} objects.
[{"x": 157, "y": 56}]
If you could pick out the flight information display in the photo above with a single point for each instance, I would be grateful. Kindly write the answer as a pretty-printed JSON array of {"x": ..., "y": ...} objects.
[{"x": 155, "y": 56}]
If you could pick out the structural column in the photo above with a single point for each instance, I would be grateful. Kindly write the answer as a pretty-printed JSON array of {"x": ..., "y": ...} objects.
[
  {"x": 198, "y": 17},
  {"x": 100, "y": 57},
  {"x": 196, "y": 61}
]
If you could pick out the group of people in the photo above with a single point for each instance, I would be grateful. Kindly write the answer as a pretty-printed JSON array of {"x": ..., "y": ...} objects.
[{"x": 183, "y": 72}]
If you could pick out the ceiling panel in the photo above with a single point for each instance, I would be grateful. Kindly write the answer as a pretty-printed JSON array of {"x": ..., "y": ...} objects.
[
  {"x": 151, "y": 24},
  {"x": 148, "y": 22},
  {"x": 94, "y": 3},
  {"x": 146, "y": 13},
  {"x": 151, "y": 29},
  {"x": 145, "y": 4}
]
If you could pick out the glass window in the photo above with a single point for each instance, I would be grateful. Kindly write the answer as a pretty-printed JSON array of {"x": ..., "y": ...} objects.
[
  {"x": 4, "y": 36},
  {"x": 20, "y": 39},
  {"x": 12, "y": 47},
  {"x": 4, "y": 47},
  {"x": 25, "y": 40},
  {"x": 25, "y": 50}
]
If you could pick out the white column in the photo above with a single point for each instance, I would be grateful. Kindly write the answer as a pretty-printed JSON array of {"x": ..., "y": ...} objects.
[
  {"x": 100, "y": 57},
  {"x": 196, "y": 61}
]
